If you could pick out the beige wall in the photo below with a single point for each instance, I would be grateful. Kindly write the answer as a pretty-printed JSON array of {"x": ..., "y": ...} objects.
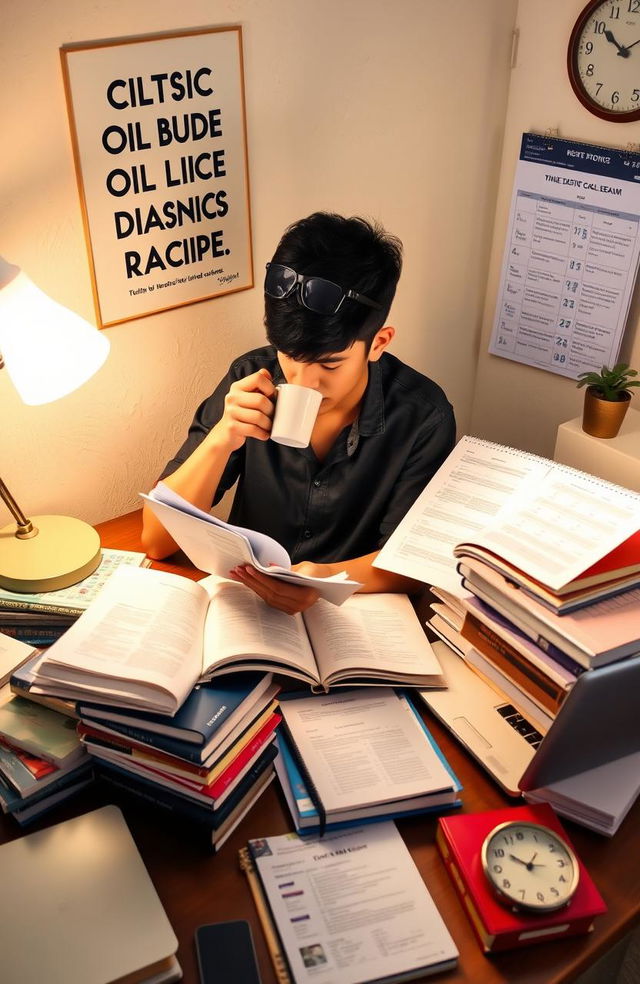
[
  {"x": 361, "y": 106},
  {"x": 516, "y": 404}
]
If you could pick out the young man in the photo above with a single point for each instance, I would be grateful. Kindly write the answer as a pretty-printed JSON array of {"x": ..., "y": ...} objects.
[{"x": 382, "y": 430}]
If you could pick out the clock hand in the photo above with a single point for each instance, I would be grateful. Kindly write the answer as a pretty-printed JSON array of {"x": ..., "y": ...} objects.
[
  {"x": 519, "y": 860},
  {"x": 622, "y": 51},
  {"x": 629, "y": 46}
]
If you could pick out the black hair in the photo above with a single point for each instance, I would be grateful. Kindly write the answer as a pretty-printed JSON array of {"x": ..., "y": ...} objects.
[{"x": 352, "y": 252}]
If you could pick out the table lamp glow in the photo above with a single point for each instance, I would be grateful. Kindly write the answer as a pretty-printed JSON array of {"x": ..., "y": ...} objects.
[{"x": 48, "y": 352}]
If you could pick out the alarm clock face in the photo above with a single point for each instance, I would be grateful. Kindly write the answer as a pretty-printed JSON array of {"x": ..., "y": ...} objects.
[
  {"x": 604, "y": 59},
  {"x": 529, "y": 866}
]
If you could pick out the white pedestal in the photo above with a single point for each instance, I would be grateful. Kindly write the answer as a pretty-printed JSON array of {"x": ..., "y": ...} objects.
[{"x": 615, "y": 459}]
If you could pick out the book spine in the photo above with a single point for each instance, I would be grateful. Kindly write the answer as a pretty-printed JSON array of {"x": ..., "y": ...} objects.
[
  {"x": 7, "y": 605},
  {"x": 314, "y": 796},
  {"x": 484, "y": 938},
  {"x": 173, "y": 746},
  {"x": 237, "y": 764},
  {"x": 575, "y": 659},
  {"x": 537, "y": 684},
  {"x": 180, "y": 804},
  {"x": 41, "y": 636},
  {"x": 152, "y": 795}
]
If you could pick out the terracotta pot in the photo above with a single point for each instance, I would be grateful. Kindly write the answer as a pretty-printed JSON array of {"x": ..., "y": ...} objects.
[{"x": 603, "y": 418}]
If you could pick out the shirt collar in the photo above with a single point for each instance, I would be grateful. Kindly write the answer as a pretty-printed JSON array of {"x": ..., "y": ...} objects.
[{"x": 371, "y": 417}]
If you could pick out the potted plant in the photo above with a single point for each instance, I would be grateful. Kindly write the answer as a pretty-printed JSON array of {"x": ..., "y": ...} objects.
[{"x": 606, "y": 398}]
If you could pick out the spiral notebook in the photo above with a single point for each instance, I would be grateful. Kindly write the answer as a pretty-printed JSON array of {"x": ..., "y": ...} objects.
[
  {"x": 540, "y": 517},
  {"x": 349, "y": 907}
]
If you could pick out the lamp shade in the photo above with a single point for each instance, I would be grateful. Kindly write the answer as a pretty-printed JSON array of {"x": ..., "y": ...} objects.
[{"x": 48, "y": 350}]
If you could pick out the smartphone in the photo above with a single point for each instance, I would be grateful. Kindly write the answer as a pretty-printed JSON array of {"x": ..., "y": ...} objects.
[{"x": 226, "y": 953}]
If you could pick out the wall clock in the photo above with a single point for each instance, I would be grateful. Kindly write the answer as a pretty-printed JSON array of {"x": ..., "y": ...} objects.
[
  {"x": 529, "y": 867},
  {"x": 603, "y": 59}
]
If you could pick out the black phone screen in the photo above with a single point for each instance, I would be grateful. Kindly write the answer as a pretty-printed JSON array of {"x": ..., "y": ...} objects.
[{"x": 226, "y": 954}]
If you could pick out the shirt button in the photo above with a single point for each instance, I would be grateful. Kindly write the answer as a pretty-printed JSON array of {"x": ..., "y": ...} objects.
[
  {"x": 307, "y": 534},
  {"x": 317, "y": 483}
]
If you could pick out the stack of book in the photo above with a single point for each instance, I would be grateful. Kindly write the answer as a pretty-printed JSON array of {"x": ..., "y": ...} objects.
[
  {"x": 519, "y": 644},
  {"x": 357, "y": 756},
  {"x": 207, "y": 765},
  {"x": 39, "y": 619},
  {"x": 536, "y": 571},
  {"x": 42, "y": 761}
]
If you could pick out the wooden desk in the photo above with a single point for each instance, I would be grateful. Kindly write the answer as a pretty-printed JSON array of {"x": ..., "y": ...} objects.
[{"x": 198, "y": 888}]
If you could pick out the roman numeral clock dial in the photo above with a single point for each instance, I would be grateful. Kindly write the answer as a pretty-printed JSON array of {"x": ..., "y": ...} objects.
[{"x": 603, "y": 59}]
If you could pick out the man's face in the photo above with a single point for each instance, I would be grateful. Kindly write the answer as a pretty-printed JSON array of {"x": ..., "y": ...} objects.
[{"x": 341, "y": 378}]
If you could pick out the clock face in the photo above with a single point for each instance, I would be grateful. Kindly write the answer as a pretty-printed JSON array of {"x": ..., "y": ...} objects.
[
  {"x": 604, "y": 59},
  {"x": 530, "y": 866}
]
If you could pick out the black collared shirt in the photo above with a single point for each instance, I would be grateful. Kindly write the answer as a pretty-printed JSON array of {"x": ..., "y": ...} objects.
[{"x": 347, "y": 505}]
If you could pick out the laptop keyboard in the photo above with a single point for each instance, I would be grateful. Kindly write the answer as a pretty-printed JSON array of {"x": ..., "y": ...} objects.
[{"x": 520, "y": 724}]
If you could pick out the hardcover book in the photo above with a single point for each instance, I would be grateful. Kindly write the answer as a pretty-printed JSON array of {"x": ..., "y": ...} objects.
[
  {"x": 497, "y": 927},
  {"x": 593, "y": 636}
]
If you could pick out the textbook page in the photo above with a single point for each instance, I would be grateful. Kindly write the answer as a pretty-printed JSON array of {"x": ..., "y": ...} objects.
[
  {"x": 217, "y": 547},
  {"x": 352, "y": 907},
  {"x": 362, "y": 747},
  {"x": 466, "y": 492},
  {"x": 370, "y": 633},
  {"x": 141, "y": 636},
  {"x": 240, "y": 630},
  {"x": 373, "y": 635}
]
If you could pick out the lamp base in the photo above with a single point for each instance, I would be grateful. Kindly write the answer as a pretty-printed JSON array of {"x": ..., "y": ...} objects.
[{"x": 65, "y": 551}]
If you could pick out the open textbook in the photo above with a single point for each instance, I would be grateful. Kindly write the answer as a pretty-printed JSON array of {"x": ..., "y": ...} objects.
[
  {"x": 151, "y": 635},
  {"x": 216, "y": 547},
  {"x": 547, "y": 519}
]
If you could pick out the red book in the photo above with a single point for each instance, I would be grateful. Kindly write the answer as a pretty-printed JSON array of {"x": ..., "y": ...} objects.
[{"x": 459, "y": 840}]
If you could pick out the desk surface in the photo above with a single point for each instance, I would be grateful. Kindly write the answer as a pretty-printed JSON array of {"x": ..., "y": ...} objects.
[{"x": 198, "y": 888}]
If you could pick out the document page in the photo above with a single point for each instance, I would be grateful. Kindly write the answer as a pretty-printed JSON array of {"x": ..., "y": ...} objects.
[
  {"x": 462, "y": 498},
  {"x": 351, "y": 907},
  {"x": 216, "y": 547},
  {"x": 361, "y": 747},
  {"x": 369, "y": 634},
  {"x": 549, "y": 520}
]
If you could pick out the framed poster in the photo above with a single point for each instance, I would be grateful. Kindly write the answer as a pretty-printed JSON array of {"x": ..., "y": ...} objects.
[{"x": 159, "y": 140}]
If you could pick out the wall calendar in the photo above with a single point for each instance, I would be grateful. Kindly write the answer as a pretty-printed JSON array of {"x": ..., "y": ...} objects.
[{"x": 571, "y": 256}]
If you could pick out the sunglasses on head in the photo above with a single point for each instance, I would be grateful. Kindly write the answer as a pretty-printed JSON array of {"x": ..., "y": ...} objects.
[{"x": 315, "y": 293}]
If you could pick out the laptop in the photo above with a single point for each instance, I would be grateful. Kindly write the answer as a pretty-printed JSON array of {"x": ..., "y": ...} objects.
[
  {"x": 597, "y": 723},
  {"x": 77, "y": 906}
]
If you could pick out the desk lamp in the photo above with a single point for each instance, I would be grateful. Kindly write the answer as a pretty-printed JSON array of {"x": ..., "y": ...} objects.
[{"x": 48, "y": 352}]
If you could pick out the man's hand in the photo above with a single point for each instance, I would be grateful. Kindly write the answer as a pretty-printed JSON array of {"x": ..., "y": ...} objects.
[
  {"x": 289, "y": 598},
  {"x": 248, "y": 409}
]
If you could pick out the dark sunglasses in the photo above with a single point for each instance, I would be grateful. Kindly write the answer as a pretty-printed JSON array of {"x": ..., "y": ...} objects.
[{"x": 315, "y": 293}]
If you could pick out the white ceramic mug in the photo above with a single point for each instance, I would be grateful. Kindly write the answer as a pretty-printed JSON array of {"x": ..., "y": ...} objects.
[{"x": 295, "y": 414}]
